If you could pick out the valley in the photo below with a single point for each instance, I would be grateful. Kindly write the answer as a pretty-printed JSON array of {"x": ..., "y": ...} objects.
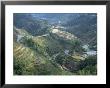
[{"x": 43, "y": 48}]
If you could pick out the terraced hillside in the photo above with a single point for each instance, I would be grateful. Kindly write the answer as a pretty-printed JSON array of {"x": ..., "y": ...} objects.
[
  {"x": 24, "y": 60},
  {"x": 45, "y": 54},
  {"x": 30, "y": 59},
  {"x": 43, "y": 48}
]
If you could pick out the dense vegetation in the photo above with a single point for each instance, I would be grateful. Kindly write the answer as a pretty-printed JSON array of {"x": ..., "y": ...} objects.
[{"x": 49, "y": 47}]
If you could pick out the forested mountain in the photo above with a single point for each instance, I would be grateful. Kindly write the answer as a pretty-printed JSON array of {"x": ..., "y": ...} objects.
[
  {"x": 27, "y": 22},
  {"x": 82, "y": 25},
  {"x": 55, "y": 44}
]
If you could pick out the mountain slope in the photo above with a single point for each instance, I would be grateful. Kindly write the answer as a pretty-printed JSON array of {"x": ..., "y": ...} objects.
[
  {"x": 85, "y": 28},
  {"x": 27, "y": 22},
  {"x": 56, "y": 48},
  {"x": 35, "y": 58}
]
